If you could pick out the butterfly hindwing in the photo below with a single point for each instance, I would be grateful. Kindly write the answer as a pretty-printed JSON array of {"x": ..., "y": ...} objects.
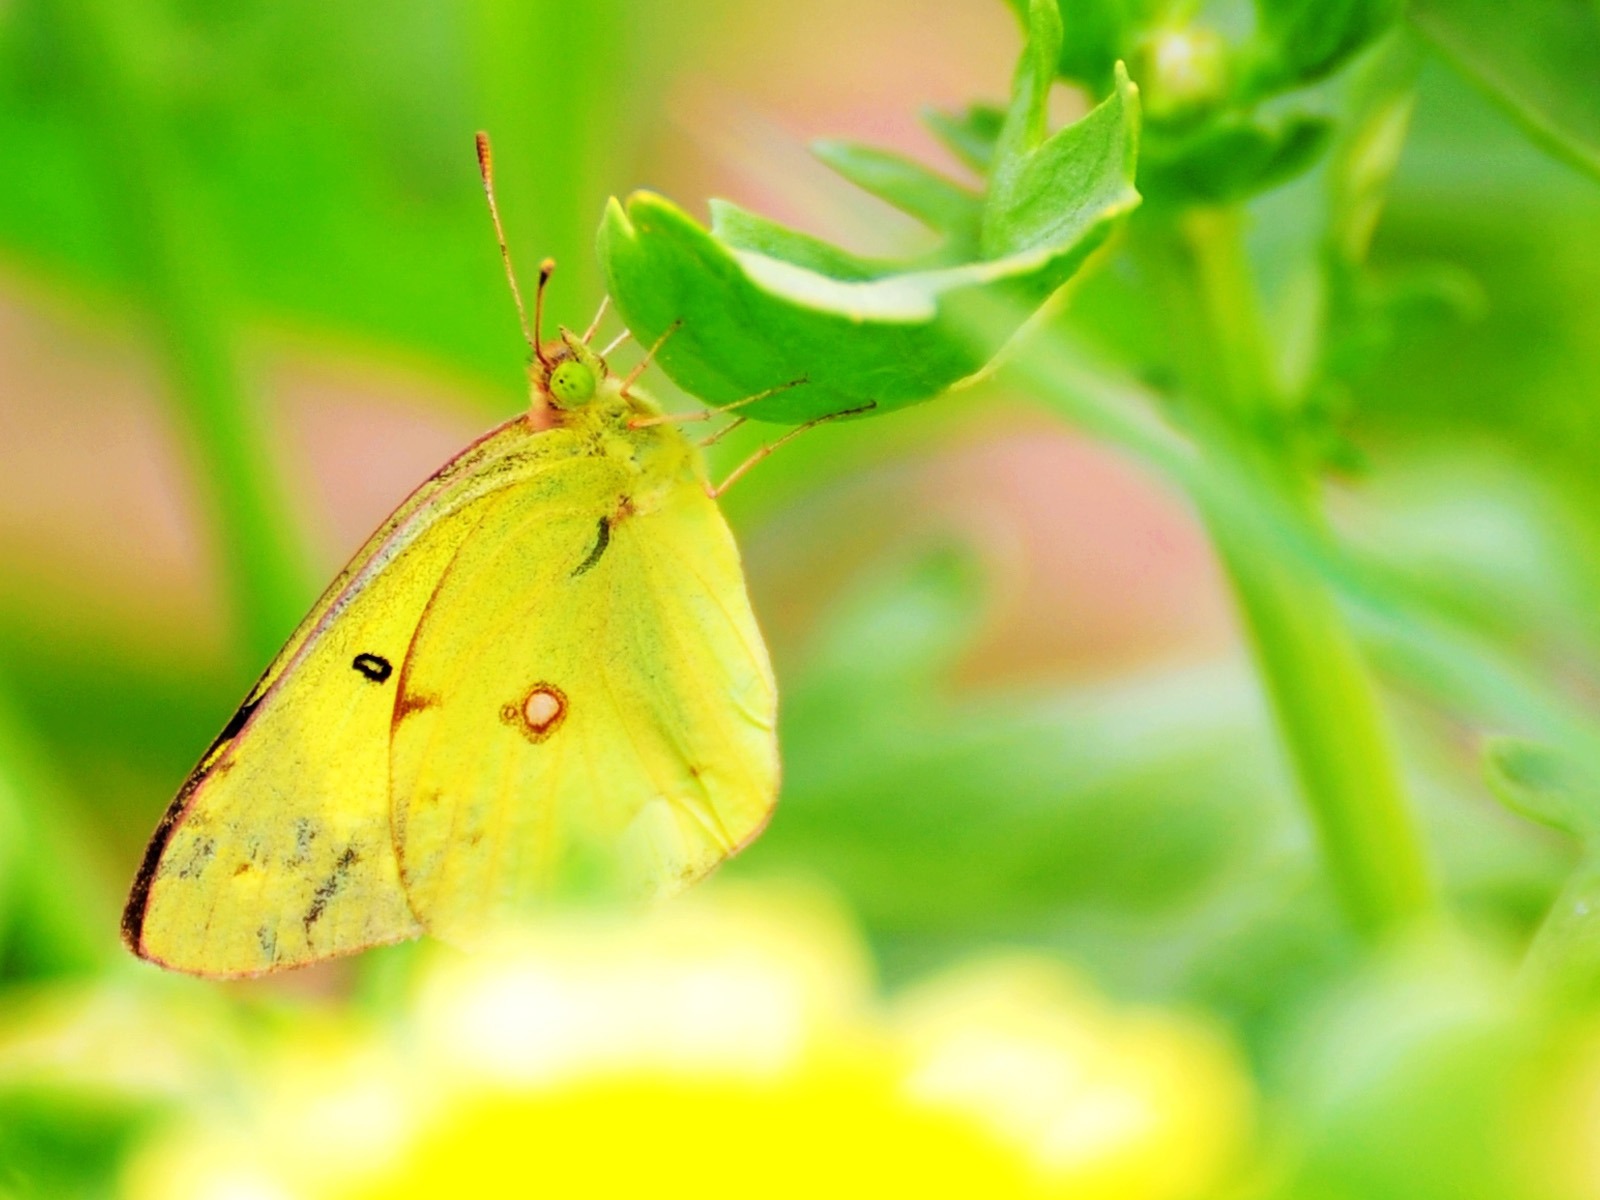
[{"x": 612, "y": 723}]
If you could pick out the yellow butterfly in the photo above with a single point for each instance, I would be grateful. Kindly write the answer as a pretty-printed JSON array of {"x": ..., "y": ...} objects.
[{"x": 541, "y": 670}]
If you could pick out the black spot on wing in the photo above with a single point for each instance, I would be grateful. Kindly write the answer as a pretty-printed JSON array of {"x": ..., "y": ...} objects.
[
  {"x": 374, "y": 666},
  {"x": 601, "y": 542},
  {"x": 200, "y": 855},
  {"x": 305, "y": 832},
  {"x": 329, "y": 888}
]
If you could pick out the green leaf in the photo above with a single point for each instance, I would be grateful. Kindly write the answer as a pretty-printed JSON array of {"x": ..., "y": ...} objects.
[
  {"x": 1554, "y": 789},
  {"x": 759, "y": 306},
  {"x": 1231, "y": 158},
  {"x": 1301, "y": 41},
  {"x": 1095, "y": 34},
  {"x": 744, "y": 230},
  {"x": 1091, "y": 159},
  {"x": 1027, "y": 115},
  {"x": 915, "y": 190},
  {"x": 1541, "y": 784},
  {"x": 1538, "y": 58},
  {"x": 969, "y": 135}
]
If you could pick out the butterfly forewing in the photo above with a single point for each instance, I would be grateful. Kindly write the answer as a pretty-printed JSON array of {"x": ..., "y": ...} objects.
[{"x": 278, "y": 850}]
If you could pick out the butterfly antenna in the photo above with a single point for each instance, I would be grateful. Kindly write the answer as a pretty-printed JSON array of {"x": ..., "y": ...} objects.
[
  {"x": 486, "y": 170},
  {"x": 546, "y": 269}
]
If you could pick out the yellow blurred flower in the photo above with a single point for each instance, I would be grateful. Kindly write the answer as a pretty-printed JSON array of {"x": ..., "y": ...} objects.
[
  {"x": 1139, "y": 1105},
  {"x": 729, "y": 1044}
]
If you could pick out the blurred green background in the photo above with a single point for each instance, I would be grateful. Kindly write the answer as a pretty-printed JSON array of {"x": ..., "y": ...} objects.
[{"x": 249, "y": 297}]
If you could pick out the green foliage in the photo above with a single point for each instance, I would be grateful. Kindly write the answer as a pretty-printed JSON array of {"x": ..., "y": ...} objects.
[
  {"x": 1536, "y": 57},
  {"x": 1554, "y": 789},
  {"x": 762, "y": 306},
  {"x": 1539, "y": 783},
  {"x": 942, "y": 775},
  {"x": 1301, "y": 41},
  {"x": 1421, "y": 1045},
  {"x": 57, "y": 1145},
  {"x": 1098, "y": 34},
  {"x": 1231, "y": 159},
  {"x": 970, "y": 135},
  {"x": 1206, "y": 142}
]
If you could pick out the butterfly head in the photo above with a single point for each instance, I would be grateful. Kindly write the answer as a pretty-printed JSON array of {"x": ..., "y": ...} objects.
[{"x": 571, "y": 371}]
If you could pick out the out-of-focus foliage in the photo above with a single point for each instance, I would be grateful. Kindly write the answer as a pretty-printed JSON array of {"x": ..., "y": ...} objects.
[
  {"x": 1080, "y": 932},
  {"x": 1537, "y": 59},
  {"x": 1208, "y": 137},
  {"x": 313, "y": 156}
]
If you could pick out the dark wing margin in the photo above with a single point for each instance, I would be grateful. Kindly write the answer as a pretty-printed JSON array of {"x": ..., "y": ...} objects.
[{"x": 139, "y": 894}]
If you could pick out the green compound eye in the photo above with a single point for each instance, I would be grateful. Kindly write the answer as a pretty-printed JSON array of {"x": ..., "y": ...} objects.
[{"x": 572, "y": 383}]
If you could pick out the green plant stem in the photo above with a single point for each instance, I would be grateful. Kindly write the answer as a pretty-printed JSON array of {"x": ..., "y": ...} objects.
[
  {"x": 1322, "y": 695},
  {"x": 252, "y": 527}
]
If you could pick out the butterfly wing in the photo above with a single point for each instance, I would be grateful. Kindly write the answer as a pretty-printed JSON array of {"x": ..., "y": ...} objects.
[
  {"x": 277, "y": 850},
  {"x": 611, "y": 725}
]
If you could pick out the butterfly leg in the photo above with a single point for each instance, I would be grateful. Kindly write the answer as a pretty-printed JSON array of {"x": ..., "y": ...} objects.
[
  {"x": 722, "y": 433},
  {"x": 739, "y": 471},
  {"x": 594, "y": 325},
  {"x": 632, "y": 376},
  {"x": 705, "y": 414}
]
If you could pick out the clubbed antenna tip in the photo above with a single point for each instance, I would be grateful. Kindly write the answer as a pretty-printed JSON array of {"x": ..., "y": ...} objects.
[{"x": 530, "y": 334}]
